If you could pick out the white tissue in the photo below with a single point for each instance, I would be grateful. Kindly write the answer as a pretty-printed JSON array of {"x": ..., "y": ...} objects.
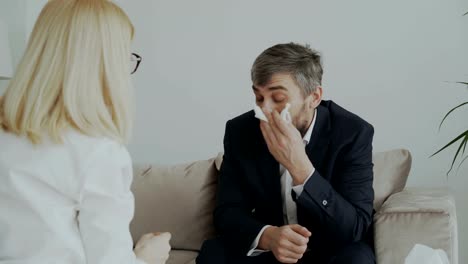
[
  {"x": 424, "y": 254},
  {"x": 259, "y": 113},
  {"x": 285, "y": 115}
]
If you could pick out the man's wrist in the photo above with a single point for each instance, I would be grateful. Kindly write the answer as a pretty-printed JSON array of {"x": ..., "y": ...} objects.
[
  {"x": 264, "y": 242},
  {"x": 300, "y": 173}
]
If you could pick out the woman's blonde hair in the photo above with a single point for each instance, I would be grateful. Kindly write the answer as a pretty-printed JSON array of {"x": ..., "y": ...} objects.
[{"x": 75, "y": 73}]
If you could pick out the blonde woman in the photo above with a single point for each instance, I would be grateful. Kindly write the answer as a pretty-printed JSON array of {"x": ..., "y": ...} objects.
[{"x": 65, "y": 174}]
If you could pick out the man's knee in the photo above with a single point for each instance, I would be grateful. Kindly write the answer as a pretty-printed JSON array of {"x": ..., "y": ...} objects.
[
  {"x": 212, "y": 252},
  {"x": 356, "y": 253},
  {"x": 217, "y": 252}
]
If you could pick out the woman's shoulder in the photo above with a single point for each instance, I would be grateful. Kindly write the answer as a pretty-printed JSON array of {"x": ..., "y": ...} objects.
[
  {"x": 105, "y": 164},
  {"x": 77, "y": 148},
  {"x": 97, "y": 148}
]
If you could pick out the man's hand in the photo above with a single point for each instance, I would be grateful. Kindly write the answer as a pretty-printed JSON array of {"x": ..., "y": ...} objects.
[
  {"x": 286, "y": 145},
  {"x": 288, "y": 243}
]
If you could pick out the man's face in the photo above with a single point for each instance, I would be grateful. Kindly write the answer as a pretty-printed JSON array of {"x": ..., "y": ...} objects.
[{"x": 280, "y": 90}]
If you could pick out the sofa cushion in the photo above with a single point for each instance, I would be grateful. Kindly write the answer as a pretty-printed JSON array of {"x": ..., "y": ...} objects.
[
  {"x": 178, "y": 199},
  {"x": 391, "y": 170},
  {"x": 182, "y": 257}
]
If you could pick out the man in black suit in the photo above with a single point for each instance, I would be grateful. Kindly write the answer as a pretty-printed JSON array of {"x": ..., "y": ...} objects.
[{"x": 298, "y": 191}]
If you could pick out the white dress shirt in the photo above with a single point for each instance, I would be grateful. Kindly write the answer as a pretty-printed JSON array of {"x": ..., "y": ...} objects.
[
  {"x": 289, "y": 206},
  {"x": 65, "y": 203}
]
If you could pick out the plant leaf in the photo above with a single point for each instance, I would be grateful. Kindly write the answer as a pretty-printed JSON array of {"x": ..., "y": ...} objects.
[
  {"x": 453, "y": 109},
  {"x": 465, "y": 14},
  {"x": 465, "y": 83},
  {"x": 451, "y": 142},
  {"x": 456, "y": 154},
  {"x": 464, "y": 145},
  {"x": 461, "y": 163}
]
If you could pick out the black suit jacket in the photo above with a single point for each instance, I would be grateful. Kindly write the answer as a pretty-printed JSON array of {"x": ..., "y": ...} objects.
[{"x": 337, "y": 202}]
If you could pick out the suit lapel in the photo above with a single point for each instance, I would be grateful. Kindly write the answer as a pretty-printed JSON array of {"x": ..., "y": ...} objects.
[{"x": 318, "y": 146}]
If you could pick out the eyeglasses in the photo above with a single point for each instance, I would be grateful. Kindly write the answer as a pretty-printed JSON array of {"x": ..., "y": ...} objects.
[{"x": 135, "y": 60}]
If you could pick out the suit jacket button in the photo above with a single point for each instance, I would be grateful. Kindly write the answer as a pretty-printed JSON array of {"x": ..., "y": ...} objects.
[{"x": 324, "y": 202}]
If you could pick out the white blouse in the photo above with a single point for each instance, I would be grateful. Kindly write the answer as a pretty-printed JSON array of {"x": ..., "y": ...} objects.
[{"x": 65, "y": 203}]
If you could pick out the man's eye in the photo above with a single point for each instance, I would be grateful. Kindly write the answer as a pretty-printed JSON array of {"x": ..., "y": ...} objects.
[{"x": 279, "y": 99}]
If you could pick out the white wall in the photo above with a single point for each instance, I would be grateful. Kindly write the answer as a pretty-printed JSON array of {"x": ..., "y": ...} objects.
[
  {"x": 391, "y": 62},
  {"x": 19, "y": 15},
  {"x": 13, "y": 15},
  {"x": 33, "y": 8}
]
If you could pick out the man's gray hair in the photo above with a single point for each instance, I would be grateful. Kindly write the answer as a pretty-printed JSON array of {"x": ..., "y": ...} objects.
[{"x": 300, "y": 61}]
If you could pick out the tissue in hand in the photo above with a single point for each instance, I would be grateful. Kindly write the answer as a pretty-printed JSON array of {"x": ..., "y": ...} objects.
[
  {"x": 424, "y": 254},
  {"x": 285, "y": 115}
]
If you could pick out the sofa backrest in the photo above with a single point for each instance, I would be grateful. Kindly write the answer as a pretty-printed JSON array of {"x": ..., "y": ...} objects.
[{"x": 180, "y": 199}]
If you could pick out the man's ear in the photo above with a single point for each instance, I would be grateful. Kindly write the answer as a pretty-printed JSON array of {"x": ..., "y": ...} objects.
[{"x": 315, "y": 98}]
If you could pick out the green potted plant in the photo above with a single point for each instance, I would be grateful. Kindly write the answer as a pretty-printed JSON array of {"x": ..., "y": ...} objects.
[{"x": 461, "y": 139}]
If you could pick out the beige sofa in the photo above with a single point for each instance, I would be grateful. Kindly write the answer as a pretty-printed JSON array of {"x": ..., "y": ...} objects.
[{"x": 180, "y": 199}]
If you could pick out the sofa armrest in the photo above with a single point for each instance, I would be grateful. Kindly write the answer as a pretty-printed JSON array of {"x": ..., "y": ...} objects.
[{"x": 416, "y": 216}]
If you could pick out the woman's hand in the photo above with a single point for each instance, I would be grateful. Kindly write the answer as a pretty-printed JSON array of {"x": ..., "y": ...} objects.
[{"x": 153, "y": 248}]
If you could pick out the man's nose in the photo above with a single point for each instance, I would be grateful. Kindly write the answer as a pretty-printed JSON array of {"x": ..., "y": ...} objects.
[{"x": 267, "y": 105}]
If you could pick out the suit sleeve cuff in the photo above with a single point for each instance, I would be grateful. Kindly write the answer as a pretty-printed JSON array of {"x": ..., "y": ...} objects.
[
  {"x": 299, "y": 188},
  {"x": 253, "y": 248},
  {"x": 320, "y": 192}
]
